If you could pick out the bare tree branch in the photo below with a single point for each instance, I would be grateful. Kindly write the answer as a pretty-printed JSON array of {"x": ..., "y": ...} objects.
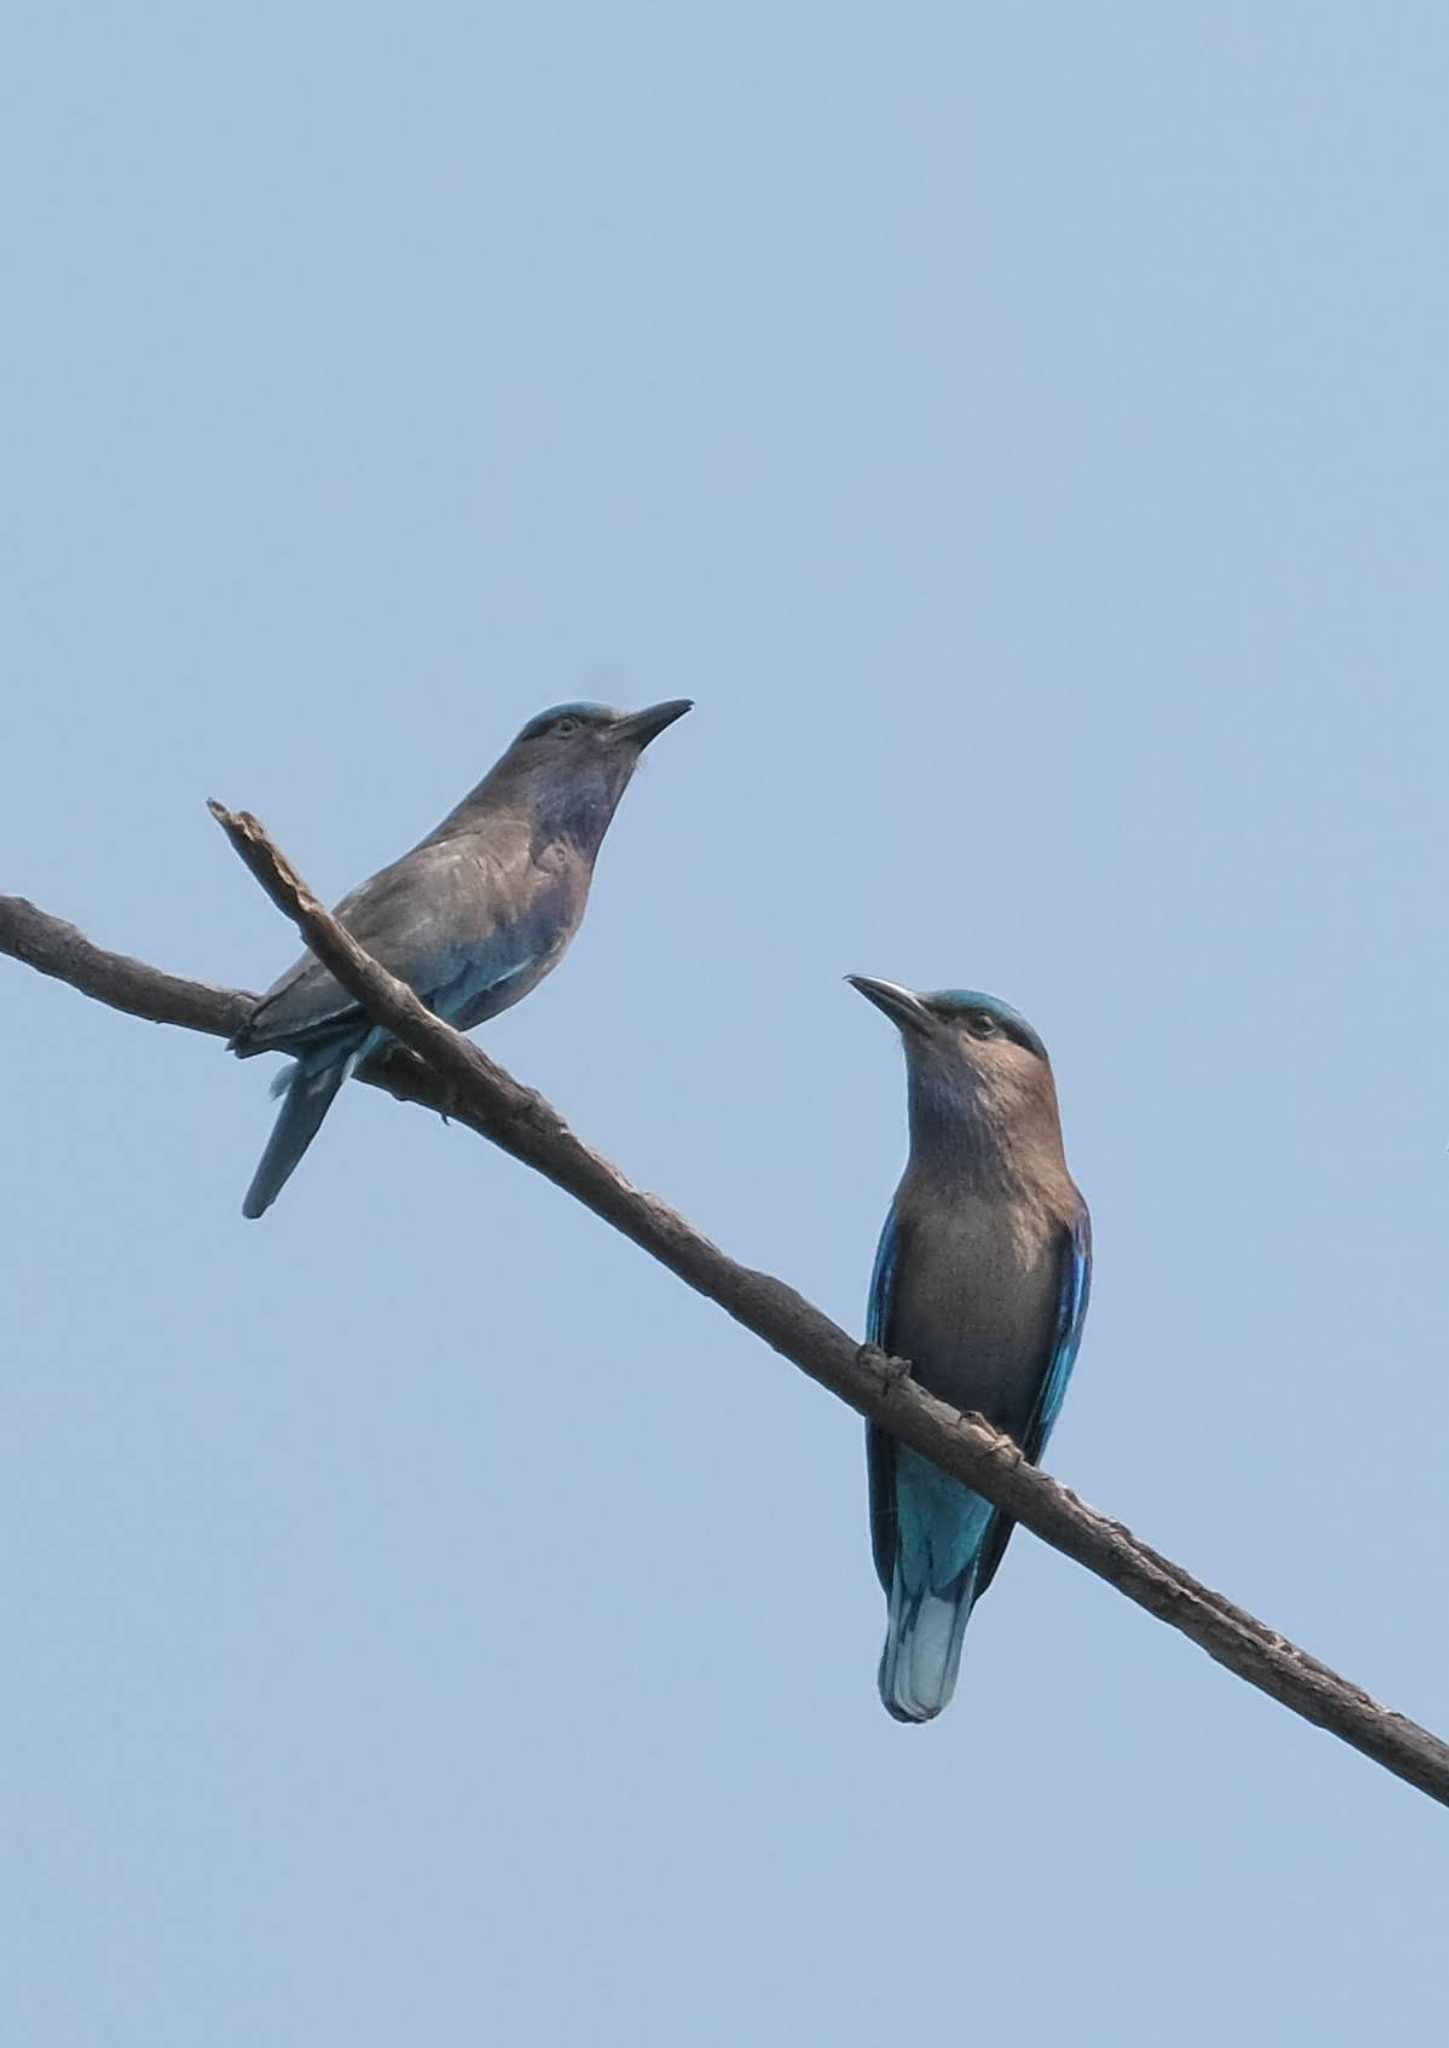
[
  {"x": 450, "y": 1074},
  {"x": 53, "y": 947}
]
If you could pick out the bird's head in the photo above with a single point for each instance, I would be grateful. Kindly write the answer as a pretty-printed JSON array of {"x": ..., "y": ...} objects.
[
  {"x": 963, "y": 1044},
  {"x": 575, "y": 760},
  {"x": 575, "y": 735}
]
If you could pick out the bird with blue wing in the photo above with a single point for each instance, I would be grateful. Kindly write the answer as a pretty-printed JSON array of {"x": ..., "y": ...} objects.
[
  {"x": 471, "y": 919},
  {"x": 981, "y": 1282}
]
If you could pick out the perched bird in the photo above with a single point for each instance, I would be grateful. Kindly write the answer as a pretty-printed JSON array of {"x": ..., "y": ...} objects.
[
  {"x": 981, "y": 1282},
  {"x": 472, "y": 919}
]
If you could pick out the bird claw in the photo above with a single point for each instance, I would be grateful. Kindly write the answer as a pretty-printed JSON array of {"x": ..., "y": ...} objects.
[{"x": 892, "y": 1370}]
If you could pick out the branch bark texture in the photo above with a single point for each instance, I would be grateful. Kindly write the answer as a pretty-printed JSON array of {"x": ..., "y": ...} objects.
[{"x": 438, "y": 1068}]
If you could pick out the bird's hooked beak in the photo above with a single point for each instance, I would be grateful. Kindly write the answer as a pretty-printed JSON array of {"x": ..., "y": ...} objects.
[
  {"x": 640, "y": 727},
  {"x": 902, "y": 1005}
]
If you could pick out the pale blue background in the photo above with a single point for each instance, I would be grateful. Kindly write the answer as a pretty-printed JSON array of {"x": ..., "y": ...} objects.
[{"x": 1024, "y": 431}]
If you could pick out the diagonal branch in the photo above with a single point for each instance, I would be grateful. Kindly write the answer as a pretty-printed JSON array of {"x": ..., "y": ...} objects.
[{"x": 450, "y": 1074}]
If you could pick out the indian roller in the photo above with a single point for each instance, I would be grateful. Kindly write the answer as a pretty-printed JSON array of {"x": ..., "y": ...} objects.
[
  {"x": 471, "y": 919},
  {"x": 981, "y": 1282}
]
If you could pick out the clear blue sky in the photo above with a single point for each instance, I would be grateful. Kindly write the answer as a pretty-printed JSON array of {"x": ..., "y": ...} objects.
[{"x": 1025, "y": 432}]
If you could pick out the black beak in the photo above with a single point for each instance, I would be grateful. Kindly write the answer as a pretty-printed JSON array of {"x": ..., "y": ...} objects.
[
  {"x": 902, "y": 1005},
  {"x": 640, "y": 727}
]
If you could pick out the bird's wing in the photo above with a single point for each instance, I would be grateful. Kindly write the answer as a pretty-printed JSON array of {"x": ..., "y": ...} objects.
[
  {"x": 431, "y": 919},
  {"x": 883, "y": 1281},
  {"x": 1074, "y": 1287},
  {"x": 880, "y": 1446}
]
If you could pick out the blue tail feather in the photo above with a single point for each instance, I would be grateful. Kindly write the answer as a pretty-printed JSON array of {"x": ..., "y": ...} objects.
[
  {"x": 922, "y": 1651},
  {"x": 307, "y": 1093},
  {"x": 941, "y": 1533}
]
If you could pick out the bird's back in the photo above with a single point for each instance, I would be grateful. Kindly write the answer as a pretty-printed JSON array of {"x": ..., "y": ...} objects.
[{"x": 451, "y": 903}]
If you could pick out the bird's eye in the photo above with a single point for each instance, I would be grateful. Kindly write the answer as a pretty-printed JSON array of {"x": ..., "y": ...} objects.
[
  {"x": 565, "y": 725},
  {"x": 982, "y": 1026}
]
